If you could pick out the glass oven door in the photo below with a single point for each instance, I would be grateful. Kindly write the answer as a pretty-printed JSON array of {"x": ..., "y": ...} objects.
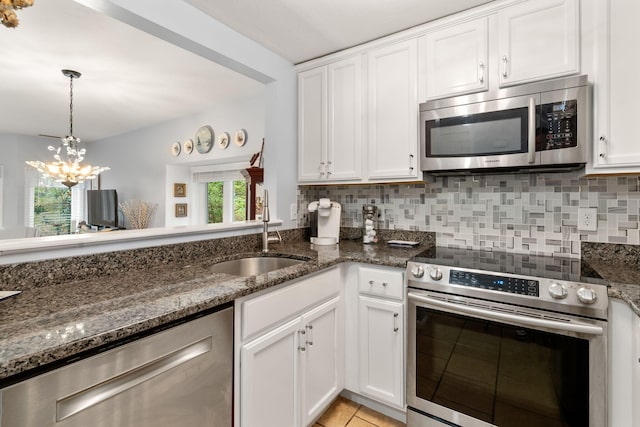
[{"x": 471, "y": 369}]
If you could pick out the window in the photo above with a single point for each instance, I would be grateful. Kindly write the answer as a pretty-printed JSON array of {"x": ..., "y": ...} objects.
[
  {"x": 52, "y": 208},
  {"x": 226, "y": 197}
]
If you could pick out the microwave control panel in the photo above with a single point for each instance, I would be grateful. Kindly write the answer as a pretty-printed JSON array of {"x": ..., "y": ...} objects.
[{"x": 558, "y": 126}]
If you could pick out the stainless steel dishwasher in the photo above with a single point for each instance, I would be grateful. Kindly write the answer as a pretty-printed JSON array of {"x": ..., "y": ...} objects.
[{"x": 181, "y": 376}]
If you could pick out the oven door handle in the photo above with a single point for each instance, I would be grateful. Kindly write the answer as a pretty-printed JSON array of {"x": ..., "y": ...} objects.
[{"x": 574, "y": 326}]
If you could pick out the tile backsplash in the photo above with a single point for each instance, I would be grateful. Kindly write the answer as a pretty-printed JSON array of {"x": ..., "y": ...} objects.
[{"x": 525, "y": 213}]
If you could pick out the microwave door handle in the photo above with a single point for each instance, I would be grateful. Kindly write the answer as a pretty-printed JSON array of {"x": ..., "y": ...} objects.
[{"x": 532, "y": 130}]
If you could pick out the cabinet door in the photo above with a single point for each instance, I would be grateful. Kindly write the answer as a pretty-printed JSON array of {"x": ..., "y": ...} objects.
[
  {"x": 616, "y": 92},
  {"x": 312, "y": 124},
  {"x": 537, "y": 40},
  {"x": 393, "y": 111},
  {"x": 456, "y": 59},
  {"x": 269, "y": 377},
  {"x": 381, "y": 332},
  {"x": 322, "y": 361},
  {"x": 344, "y": 149}
]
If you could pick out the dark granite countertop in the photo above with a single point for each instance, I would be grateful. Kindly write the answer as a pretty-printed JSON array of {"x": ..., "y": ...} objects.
[
  {"x": 619, "y": 265},
  {"x": 51, "y": 323},
  {"x": 71, "y": 307}
]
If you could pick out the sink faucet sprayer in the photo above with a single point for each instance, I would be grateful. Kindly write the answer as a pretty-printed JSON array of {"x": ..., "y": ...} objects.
[{"x": 265, "y": 225}]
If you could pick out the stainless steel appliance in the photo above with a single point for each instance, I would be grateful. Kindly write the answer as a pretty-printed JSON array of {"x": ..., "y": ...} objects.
[
  {"x": 506, "y": 340},
  {"x": 534, "y": 127},
  {"x": 177, "y": 377}
]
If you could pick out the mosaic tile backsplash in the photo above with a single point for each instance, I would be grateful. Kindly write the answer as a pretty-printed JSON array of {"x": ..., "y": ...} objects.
[{"x": 524, "y": 213}]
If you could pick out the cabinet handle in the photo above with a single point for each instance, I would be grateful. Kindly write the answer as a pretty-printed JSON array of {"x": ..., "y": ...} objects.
[
  {"x": 395, "y": 322},
  {"x": 411, "y": 163},
  {"x": 371, "y": 282},
  {"x": 300, "y": 339},
  {"x": 504, "y": 65},
  {"x": 481, "y": 67},
  {"x": 603, "y": 142},
  {"x": 309, "y": 336}
]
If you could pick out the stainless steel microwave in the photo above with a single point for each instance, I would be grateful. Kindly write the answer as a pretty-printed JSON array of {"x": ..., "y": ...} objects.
[{"x": 540, "y": 126}]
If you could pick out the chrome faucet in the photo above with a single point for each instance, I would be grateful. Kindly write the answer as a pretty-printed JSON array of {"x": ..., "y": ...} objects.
[{"x": 265, "y": 225}]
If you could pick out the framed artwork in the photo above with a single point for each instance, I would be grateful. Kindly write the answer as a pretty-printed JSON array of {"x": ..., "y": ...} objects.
[
  {"x": 180, "y": 190},
  {"x": 181, "y": 209}
]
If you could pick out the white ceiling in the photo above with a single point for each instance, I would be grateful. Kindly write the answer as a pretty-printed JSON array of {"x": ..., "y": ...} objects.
[
  {"x": 132, "y": 80},
  {"x": 303, "y": 30}
]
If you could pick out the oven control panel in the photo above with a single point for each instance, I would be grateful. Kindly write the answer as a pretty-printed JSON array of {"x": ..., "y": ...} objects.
[
  {"x": 513, "y": 285},
  {"x": 545, "y": 293}
]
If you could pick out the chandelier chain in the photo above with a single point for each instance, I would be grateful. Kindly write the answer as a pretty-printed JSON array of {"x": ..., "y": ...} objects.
[{"x": 71, "y": 106}]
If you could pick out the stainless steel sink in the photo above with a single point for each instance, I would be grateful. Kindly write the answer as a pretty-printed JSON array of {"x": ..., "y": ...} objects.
[{"x": 253, "y": 266}]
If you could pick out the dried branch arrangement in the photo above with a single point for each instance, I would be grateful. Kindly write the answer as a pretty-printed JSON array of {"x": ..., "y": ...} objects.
[{"x": 138, "y": 213}]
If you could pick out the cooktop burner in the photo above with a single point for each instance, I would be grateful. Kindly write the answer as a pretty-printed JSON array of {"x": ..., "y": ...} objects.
[{"x": 544, "y": 267}]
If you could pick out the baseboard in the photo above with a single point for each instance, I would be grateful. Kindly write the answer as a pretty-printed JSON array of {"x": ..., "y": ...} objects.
[{"x": 376, "y": 406}]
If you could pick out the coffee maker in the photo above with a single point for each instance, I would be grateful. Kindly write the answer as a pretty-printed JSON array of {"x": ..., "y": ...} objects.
[{"x": 325, "y": 227}]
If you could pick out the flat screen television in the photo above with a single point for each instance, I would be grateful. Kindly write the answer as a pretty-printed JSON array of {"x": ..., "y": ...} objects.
[{"x": 102, "y": 208}]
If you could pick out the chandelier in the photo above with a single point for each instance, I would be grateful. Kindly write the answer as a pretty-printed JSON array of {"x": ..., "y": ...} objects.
[
  {"x": 8, "y": 11},
  {"x": 67, "y": 168}
]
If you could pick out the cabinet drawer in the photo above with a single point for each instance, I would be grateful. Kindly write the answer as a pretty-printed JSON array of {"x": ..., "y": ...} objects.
[
  {"x": 268, "y": 310},
  {"x": 382, "y": 282}
]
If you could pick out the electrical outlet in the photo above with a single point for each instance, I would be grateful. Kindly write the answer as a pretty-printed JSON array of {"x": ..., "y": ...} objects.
[
  {"x": 588, "y": 219},
  {"x": 293, "y": 211}
]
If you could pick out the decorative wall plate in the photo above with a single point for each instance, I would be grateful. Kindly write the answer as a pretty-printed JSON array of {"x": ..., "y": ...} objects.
[
  {"x": 175, "y": 148},
  {"x": 223, "y": 140},
  {"x": 188, "y": 146},
  {"x": 204, "y": 139},
  {"x": 240, "y": 137}
]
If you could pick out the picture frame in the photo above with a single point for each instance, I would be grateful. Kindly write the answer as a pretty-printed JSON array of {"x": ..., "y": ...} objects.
[
  {"x": 181, "y": 210},
  {"x": 179, "y": 190}
]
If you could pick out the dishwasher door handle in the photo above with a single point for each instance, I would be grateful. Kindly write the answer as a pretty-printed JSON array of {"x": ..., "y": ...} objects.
[{"x": 70, "y": 405}]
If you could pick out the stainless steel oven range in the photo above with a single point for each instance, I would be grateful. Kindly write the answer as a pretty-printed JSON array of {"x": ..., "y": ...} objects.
[{"x": 509, "y": 340}]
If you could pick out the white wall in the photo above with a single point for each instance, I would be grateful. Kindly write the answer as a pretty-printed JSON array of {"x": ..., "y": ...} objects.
[
  {"x": 16, "y": 149},
  {"x": 183, "y": 25},
  {"x": 139, "y": 159}
]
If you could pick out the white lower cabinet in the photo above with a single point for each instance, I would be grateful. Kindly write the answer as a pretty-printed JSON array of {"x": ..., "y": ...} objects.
[
  {"x": 291, "y": 373},
  {"x": 321, "y": 359},
  {"x": 624, "y": 365},
  {"x": 380, "y": 343},
  {"x": 375, "y": 330},
  {"x": 303, "y": 343},
  {"x": 270, "y": 378}
]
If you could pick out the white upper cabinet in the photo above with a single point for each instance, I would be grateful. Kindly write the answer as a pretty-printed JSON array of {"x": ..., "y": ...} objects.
[
  {"x": 330, "y": 122},
  {"x": 616, "y": 90},
  {"x": 312, "y": 124},
  {"x": 538, "y": 40},
  {"x": 392, "y": 113},
  {"x": 456, "y": 59},
  {"x": 344, "y": 145}
]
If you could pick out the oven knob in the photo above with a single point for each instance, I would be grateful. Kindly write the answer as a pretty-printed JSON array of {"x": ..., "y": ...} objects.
[
  {"x": 435, "y": 274},
  {"x": 417, "y": 271},
  {"x": 557, "y": 291},
  {"x": 587, "y": 295}
]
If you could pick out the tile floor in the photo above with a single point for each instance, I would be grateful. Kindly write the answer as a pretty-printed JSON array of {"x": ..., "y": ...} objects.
[{"x": 345, "y": 413}]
